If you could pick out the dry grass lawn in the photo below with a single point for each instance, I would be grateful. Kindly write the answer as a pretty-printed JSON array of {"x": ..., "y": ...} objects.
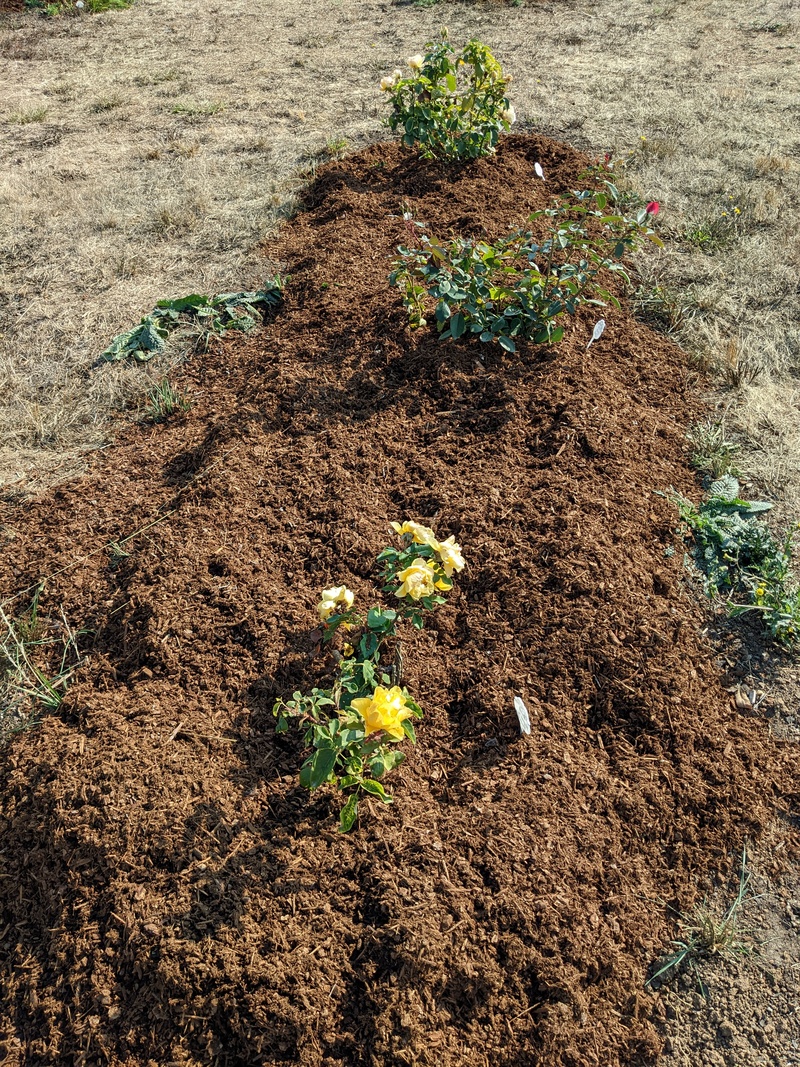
[{"x": 146, "y": 153}]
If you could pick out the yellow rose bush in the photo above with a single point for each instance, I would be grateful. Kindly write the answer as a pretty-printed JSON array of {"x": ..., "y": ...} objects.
[
  {"x": 352, "y": 725},
  {"x": 452, "y": 107}
]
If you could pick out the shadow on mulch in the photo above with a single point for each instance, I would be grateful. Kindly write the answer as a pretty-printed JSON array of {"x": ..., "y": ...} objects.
[{"x": 168, "y": 892}]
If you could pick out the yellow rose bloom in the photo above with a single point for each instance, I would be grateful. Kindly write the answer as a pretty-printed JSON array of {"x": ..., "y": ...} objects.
[
  {"x": 415, "y": 62},
  {"x": 418, "y": 580},
  {"x": 450, "y": 555},
  {"x": 387, "y": 84},
  {"x": 334, "y": 601},
  {"x": 419, "y": 534},
  {"x": 384, "y": 710}
]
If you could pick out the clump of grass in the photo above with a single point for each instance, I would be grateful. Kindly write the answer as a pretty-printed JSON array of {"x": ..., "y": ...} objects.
[
  {"x": 164, "y": 400},
  {"x": 29, "y": 646},
  {"x": 705, "y": 932},
  {"x": 663, "y": 306},
  {"x": 191, "y": 110},
  {"x": 712, "y": 452},
  {"x": 106, "y": 103},
  {"x": 738, "y": 368},
  {"x": 34, "y": 114}
]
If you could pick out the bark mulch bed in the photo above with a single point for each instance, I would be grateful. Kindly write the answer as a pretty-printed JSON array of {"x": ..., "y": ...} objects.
[{"x": 168, "y": 892}]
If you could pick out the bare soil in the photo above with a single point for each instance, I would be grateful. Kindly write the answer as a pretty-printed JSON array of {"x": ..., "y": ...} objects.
[{"x": 170, "y": 895}]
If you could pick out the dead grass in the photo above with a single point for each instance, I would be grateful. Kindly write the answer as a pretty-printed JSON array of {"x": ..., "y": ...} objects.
[{"x": 144, "y": 178}]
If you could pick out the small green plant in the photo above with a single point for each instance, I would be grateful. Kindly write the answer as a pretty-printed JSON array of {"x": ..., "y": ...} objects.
[
  {"x": 334, "y": 146},
  {"x": 29, "y": 644},
  {"x": 206, "y": 316},
  {"x": 452, "y": 107},
  {"x": 712, "y": 452},
  {"x": 705, "y": 932},
  {"x": 737, "y": 554},
  {"x": 164, "y": 400},
  {"x": 352, "y": 725},
  {"x": 519, "y": 286}
]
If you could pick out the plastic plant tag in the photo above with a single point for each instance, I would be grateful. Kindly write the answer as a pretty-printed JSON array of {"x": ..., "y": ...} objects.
[
  {"x": 539, "y": 172},
  {"x": 522, "y": 715},
  {"x": 597, "y": 332}
]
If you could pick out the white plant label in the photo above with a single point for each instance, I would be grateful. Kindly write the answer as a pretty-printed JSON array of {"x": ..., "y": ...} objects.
[
  {"x": 522, "y": 715},
  {"x": 597, "y": 332}
]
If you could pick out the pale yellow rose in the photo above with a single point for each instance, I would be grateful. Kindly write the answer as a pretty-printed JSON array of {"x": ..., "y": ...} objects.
[
  {"x": 415, "y": 62},
  {"x": 335, "y": 601},
  {"x": 450, "y": 555},
  {"x": 420, "y": 535},
  {"x": 418, "y": 580},
  {"x": 385, "y": 710},
  {"x": 387, "y": 84},
  {"x": 509, "y": 115}
]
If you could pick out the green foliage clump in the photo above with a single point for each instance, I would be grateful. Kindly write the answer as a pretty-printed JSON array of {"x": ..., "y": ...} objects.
[
  {"x": 738, "y": 554},
  {"x": 210, "y": 315},
  {"x": 452, "y": 107}
]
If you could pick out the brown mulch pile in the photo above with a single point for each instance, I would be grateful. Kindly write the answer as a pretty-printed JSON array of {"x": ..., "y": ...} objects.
[{"x": 168, "y": 892}]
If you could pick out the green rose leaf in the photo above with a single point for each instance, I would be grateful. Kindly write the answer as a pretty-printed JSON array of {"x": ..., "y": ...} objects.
[{"x": 348, "y": 814}]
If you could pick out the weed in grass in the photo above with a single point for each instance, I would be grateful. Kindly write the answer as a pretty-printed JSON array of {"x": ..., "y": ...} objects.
[
  {"x": 770, "y": 164},
  {"x": 34, "y": 114},
  {"x": 30, "y": 645},
  {"x": 706, "y": 933},
  {"x": 712, "y": 452},
  {"x": 164, "y": 400},
  {"x": 64, "y": 7},
  {"x": 656, "y": 148},
  {"x": 336, "y": 145},
  {"x": 718, "y": 230},
  {"x": 156, "y": 77},
  {"x": 97, "y": 6}
]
